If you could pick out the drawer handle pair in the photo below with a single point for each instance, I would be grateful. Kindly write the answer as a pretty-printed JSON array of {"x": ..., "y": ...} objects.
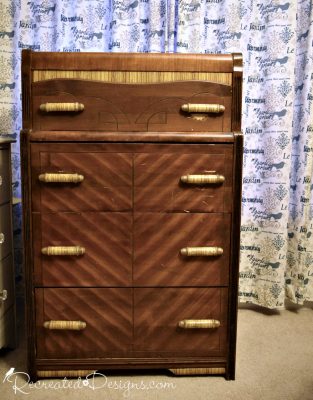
[
  {"x": 61, "y": 107},
  {"x": 61, "y": 178},
  {"x": 202, "y": 179},
  {"x": 65, "y": 325},
  {"x": 203, "y": 108},
  {"x": 201, "y": 251},
  {"x": 199, "y": 324},
  {"x": 77, "y": 178},
  {"x": 77, "y": 107},
  {"x": 63, "y": 251}
]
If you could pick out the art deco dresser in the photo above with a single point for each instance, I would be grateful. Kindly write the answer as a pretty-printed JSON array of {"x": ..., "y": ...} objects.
[
  {"x": 7, "y": 273},
  {"x": 132, "y": 188}
]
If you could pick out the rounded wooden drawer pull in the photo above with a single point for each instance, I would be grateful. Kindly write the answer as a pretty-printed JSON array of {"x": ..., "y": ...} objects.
[
  {"x": 3, "y": 295},
  {"x": 63, "y": 251},
  {"x": 201, "y": 251},
  {"x": 199, "y": 323},
  {"x": 61, "y": 178},
  {"x": 203, "y": 108},
  {"x": 1, "y": 180},
  {"x": 65, "y": 325},
  {"x": 202, "y": 179},
  {"x": 61, "y": 107},
  {"x": 2, "y": 238}
]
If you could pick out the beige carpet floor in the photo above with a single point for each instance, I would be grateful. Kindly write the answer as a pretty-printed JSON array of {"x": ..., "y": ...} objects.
[{"x": 274, "y": 362}]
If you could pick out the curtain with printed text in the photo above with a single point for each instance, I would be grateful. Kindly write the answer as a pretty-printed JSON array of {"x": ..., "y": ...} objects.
[{"x": 276, "y": 39}]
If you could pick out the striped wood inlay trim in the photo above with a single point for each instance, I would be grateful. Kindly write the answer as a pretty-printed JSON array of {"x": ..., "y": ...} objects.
[
  {"x": 134, "y": 77},
  {"x": 198, "y": 371},
  {"x": 64, "y": 373}
]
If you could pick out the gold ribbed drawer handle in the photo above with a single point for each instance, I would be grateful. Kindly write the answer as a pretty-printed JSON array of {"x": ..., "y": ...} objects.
[
  {"x": 61, "y": 107},
  {"x": 201, "y": 251},
  {"x": 65, "y": 325},
  {"x": 202, "y": 179},
  {"x": 63, "y": 251},
  {"x": 199, "y": 323},
  {"x": 203, "y": 108},
  {"x": 61, "y": 178}
]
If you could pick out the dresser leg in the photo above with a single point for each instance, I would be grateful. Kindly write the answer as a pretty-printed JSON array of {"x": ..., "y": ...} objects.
[{"x": 198, "y": 371}]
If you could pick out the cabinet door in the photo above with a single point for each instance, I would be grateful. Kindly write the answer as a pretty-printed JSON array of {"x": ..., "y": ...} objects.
[
  {"x": 158, "y": 313},
  {"x": 159, "y": 240},
  {"x": 5, "y": 231},
  {"x": 96, "y": 322},
  {"x": 5, "y": 178},
  {"x": 102, "y": 242},
  {"x": 7, "y": 287}
]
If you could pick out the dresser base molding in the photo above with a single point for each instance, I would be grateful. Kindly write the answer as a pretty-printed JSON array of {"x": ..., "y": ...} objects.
[
  {"x": 72, "y": 368},
  {"x": 84, "y": 373}
]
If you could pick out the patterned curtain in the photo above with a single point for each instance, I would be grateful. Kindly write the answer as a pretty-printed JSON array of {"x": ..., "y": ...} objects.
[{"x": 275, "y": 38}]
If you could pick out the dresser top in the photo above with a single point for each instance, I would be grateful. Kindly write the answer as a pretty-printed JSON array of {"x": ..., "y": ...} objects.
[
  {"x": 132, "y": 61},
  {"x": 6, "y": 140}
]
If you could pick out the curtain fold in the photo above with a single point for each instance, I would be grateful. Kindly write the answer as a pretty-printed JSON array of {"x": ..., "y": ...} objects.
[{"x": 275, "y": 38}]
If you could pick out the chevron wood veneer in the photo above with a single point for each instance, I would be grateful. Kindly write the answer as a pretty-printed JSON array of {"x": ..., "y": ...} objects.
[{"x": 131, "y": 170}]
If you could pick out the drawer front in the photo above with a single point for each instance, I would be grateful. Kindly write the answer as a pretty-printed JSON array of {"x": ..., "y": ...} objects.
[
  {"x": 158, "y": 312},
  {"x": 114, "y": 176},
  {"x": 5, "y": 178},
  {"x": 104, "y": 180},
  {"x": 5, "y": 231},
  {"x": 97, "y": 322},
  {"x": 6, "y": 285},
  {"x": 159, "y": 186},
  {"x": 125, "y": 107},
  {"x": 101, "y": 243},
  {"x": 159, "y": 240}
]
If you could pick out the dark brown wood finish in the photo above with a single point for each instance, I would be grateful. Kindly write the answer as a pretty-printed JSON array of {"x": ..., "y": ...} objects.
[
  {"x": 131, "y": 214},
  {"x": 235, "y": 255},
  {"x": 237, "y": 92},
  {"x": 130, "y": 137},
  {"x": 28, "y": 254},
  {"x": 131, "y": 62}
]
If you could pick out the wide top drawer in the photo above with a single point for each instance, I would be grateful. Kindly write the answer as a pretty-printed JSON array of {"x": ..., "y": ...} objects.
[
  {"x": 131, "y": 92},
  {"x": 72, "y": 104}
]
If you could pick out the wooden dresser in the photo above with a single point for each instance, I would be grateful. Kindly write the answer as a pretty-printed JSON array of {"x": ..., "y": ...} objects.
[
  {"x": 132, "y": 191},
  {"x": 7, "y": 272}
]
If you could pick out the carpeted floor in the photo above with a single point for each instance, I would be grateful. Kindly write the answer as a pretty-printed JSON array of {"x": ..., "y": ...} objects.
[{"x": 274, "y": 362}]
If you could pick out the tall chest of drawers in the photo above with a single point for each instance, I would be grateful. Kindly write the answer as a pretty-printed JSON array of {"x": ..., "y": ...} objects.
[{"x": 132, "y": 190}]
